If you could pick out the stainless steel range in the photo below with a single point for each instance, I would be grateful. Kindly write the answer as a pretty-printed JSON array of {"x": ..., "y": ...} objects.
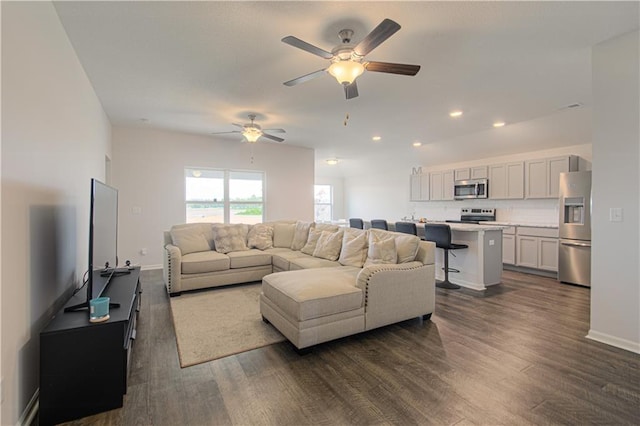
[{"x": 475, "y": 216}]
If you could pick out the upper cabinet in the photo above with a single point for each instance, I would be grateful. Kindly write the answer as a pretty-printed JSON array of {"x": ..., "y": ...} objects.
[
  {"x": 542, "y": 177},
  {"x": 441, "y": 185},
  {"x": 479, "y": 172},
  {"x": 506, "y": 181},
  {"x": 419, "y": 187}
]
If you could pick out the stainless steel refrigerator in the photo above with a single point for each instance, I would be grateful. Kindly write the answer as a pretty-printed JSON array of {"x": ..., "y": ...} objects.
[{"x": 574, "y": 253}]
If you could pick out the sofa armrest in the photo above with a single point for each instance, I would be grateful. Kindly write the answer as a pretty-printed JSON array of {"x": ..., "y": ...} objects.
[
  {"x": 396, "y": 293},
  {"x": 172, "y": 268}
]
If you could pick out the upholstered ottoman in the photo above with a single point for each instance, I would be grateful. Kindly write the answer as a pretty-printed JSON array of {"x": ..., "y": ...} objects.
[{"x": 311, "y": 306}]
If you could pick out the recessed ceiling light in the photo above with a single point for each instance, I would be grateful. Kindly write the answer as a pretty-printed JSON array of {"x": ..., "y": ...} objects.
[
  {"x": 417, "y": 144},
  {"x": 456, "y": 113},
  {"x": 332, "y": 161},
  {"x": 376, "y": 138},
  {"x": 498, "y": 124}
]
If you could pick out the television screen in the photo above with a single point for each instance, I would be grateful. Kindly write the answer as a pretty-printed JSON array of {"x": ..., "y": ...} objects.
[
  {"x": 103, "y": 237},
  {"x": 103, "y": 241}
]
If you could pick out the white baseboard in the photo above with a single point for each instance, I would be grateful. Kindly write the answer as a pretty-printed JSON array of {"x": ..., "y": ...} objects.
[
  {"x": 150, "y": 267},
  {"x": 607, "y": 339}
]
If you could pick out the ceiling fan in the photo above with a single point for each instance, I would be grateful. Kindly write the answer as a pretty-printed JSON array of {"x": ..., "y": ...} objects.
[
  {"x": 347, "y": 60},
  {"x": 252, "y": 131}
]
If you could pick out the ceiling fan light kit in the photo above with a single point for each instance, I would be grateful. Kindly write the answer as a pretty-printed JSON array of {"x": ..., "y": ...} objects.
[
  {"x": 252, "y": 134},
  {"x": 347, "y": 71}
]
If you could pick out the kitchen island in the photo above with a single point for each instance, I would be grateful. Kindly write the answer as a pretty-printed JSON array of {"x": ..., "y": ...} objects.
[{"x": 480, "y": 265}]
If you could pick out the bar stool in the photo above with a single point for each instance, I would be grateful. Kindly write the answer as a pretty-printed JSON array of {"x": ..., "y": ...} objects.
[
  {"x": 407, "y": 228},
  {"x": 441, "y": 235},
  {"x": 356, "y": 223},
  {"x": 379, "y": 224}
]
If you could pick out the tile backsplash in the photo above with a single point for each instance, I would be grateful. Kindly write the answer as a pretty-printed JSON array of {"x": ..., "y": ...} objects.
[{"x": 543, "y": 211}]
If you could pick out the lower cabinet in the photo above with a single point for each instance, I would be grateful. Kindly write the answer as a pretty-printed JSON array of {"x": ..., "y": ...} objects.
[
  {"x": 509, "y": 246},
  {"x": 537, "y": 248}
]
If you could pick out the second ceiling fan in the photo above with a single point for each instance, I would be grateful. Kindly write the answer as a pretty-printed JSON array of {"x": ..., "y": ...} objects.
[{"x": 347, "y": 60}]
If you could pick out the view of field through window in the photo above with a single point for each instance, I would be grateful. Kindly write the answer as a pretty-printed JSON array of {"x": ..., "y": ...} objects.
[{"x": 205, "y": 196}]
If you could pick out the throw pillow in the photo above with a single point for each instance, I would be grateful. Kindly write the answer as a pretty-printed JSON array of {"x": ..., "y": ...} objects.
[
  {"x": 312, "y": 241},
  {"x": 354, "y": 247},
  {"x": 189, "y": 241},
  {"x": 327, "y": 227},
  {"x": 260, "y": 236},
  {"x": 283, "y": 234},
  {"x": 228, "y": 238},
  {"x": 381, "y": 251},
  {"x": 328, "y": 246},
  {"x": 301, "y": 234},
  {"x": 406, "y": 245}
]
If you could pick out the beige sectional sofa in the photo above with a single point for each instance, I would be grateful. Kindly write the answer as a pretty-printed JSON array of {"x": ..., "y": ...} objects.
[{"x": 319, "y": 282}]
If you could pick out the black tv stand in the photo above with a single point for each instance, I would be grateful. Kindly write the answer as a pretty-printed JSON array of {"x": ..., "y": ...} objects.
[{"x": 83, "y": 366}]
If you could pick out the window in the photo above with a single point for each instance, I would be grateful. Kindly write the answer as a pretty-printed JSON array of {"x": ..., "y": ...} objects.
[
  {"x": 225, "y": 196},
  {"x": 323, "y": 203}
]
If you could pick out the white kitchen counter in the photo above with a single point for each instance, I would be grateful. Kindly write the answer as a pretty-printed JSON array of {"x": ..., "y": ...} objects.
[{"x": 530, "y": 225}]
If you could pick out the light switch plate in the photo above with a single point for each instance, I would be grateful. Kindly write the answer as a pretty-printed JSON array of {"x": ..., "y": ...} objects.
[{"x": 615, "y": 214}]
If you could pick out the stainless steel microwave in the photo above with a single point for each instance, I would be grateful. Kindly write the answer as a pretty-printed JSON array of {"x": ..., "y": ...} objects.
[{"x": 473, "y": 188}]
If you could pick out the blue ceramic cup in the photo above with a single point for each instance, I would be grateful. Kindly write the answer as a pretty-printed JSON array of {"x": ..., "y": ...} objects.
[{"x": 99, "y": 309}]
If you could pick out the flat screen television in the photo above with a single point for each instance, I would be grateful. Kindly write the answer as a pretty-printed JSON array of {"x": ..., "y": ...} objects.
[{"x": 103, "y": 242}]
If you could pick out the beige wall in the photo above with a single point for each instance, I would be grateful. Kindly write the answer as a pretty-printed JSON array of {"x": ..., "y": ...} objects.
[
  {"x": 615, "y": 273},
  {"x": 148, "y": 170},
  {"x": 55, "y": 136}
]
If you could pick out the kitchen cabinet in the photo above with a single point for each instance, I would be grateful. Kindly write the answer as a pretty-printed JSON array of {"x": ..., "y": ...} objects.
[
  {"x": 509, "y": 246},
  {"x": 441, "y": 185},
  {"x": 478, "y": 172},
  {"x": 537, "y": 248},
  {"x": 419, "y": 187},
  {"x": 506, "y": 181},
  {"x": 542, "y": 176}
]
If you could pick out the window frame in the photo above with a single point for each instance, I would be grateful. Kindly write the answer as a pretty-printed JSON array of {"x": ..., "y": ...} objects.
[
  {"x": 227, "y": 203},
  {"x": 329, "y": 204}
]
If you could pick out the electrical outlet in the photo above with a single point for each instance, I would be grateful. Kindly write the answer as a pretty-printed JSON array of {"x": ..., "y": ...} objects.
[
  {"x": 492, "y": 242},
  {"x": 615, "y": 214},
  {"x": 143, "y": 251}
]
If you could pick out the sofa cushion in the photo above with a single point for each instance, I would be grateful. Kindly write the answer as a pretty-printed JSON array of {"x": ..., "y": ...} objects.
[
  {"x": 301, "y": 234},
  {"x": 248, "y": 258},
  {"x": 305, "y": 295},
  {"x": 283, "y": 234},
  {"x": 281, "y": 259},
  {"x": 260, "y": 236},
  {"x": 310, "y": 262},
  {"x": 354, "y": 247},
  {"x": 189, "y": 240},
  {"x": 329, "y": 245},
  {"x": 406, "y": 245},
  {"x": 204, "y": 261},
  {"x": 382, "y": 249},
  {"x": 228, "y": 238}
]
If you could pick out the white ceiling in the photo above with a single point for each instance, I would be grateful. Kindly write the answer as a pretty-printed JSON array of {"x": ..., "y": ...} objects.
[{"x": 198, "y": 66}]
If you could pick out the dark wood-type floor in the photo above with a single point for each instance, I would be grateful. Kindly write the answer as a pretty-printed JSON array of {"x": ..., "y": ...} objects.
[{"x": 514, "y": 356}]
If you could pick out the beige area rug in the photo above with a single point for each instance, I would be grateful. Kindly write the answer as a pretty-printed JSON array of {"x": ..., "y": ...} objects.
[{"x": 220, "y": 322}]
